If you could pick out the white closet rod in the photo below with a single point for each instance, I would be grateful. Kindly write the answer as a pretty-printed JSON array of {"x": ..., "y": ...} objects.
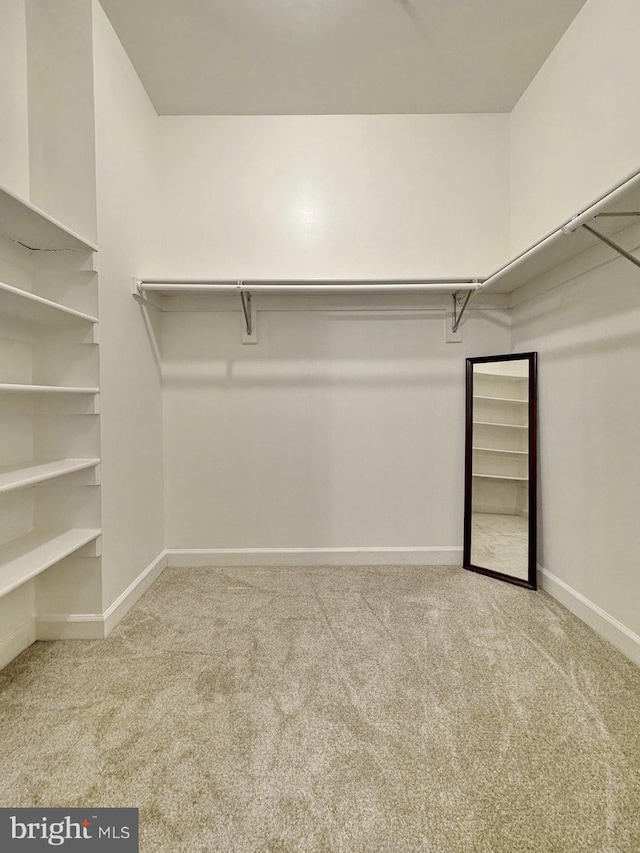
[
  {"x": 310, "y": 286},
  {"x": 567, "y": 227}
]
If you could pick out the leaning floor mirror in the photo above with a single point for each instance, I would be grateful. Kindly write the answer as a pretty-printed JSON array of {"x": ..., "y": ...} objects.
[{"x": 500, "y": 468}]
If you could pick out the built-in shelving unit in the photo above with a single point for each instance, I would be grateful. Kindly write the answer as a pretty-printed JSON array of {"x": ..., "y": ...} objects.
[
  {"x": 48, "y": 349},
  {"x": 50, "y": 493},
  {"x": 23, "y": 475},
  {"x": 25, "y": 557}
]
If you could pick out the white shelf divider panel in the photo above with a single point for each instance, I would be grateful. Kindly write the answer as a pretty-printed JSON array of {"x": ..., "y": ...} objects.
[
  {"x": 31, "y": 227},
  {"x": 23, "y": 558},
  {"x": 36, "y": 309},
  {"x": 20, "y": 476},
  {"x": 12, "y": 388}
]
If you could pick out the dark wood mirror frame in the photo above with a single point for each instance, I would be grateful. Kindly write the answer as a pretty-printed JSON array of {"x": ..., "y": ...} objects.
[{"x": 530, "y": 581}]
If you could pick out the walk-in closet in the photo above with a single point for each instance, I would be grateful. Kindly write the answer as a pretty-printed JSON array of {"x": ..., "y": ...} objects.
[{"x": 319, "y": 404}]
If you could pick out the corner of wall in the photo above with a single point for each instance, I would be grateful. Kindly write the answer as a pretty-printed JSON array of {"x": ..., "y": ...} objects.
[
  {"x": 595, "y": 617},
  {"x": 131, "y": 411},
  {"x": 574, "y": 132}
]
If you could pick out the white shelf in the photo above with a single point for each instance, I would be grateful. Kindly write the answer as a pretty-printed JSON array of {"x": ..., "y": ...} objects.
[
  {"x": 497, "y": 450},
  {"x": 21, "y": 476},
  {"x": 491, "y": 424},
  {"x": 499, "y": 399},
  {"x": 45, "y": 389},
  {"x": 31, "y": 227},
  {"x": 27, "y": 556},
  {"x": 37, "y": 309},
  {"x": 502, "y": 477}
]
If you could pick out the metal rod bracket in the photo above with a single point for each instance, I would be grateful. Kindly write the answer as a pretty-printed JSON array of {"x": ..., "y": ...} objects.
[
  {"x": 250, "y": 330},
  {"x": 613, "y": 245},
  {"x": 459, "y": 300}
]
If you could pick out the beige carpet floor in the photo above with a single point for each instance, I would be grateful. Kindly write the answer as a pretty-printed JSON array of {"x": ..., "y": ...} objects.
[{"x": 335, "y": 709}]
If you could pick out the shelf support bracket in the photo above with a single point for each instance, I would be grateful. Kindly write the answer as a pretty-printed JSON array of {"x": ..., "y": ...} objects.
[
  {"x": 461, "y": 300},
  {"x": 250, "y": 331},
  {"x": 612, "y": 245},
  {"x": 245, "y": 298},
  {"x": 617, "y": 213}
]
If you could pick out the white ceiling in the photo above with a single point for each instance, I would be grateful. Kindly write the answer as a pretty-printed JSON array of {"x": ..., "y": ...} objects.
[{"x": 216, "y": 57}]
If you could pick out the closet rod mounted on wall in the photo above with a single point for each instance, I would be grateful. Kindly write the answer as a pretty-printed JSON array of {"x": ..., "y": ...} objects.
[
  {"x": 627, "y": 192},
  {"x": 183, "y": 285},
  {"x": 248, "y": 287},
  {"x": 598, "y": 208}
]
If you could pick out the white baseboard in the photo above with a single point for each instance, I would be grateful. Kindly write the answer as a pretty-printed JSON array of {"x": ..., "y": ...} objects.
[
  {"x": 133, "y": 593},
  {"x": 17, "y": 641},
  {"x": 70, "y": 626},
  {"x": 97, "y": 626},
  {"x": 595, "y": 617},
  {"x": 427, "y": 556}
]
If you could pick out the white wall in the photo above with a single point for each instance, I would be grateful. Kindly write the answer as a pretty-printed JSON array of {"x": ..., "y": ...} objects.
[
  {"x": 330, "y": 196},
  {"x": 335, "y": 430},
  {"x": 338, "y": 429},
  {"x": 575, "y": 133},
  {"x": 131, "y": 412},
  {"x": 14, "y": 120},
  {"x": 586, "y": 334},
  {"x": 61, "y": 112}
]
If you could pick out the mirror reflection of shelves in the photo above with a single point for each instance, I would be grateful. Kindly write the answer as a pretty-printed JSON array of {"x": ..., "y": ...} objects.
[{"x": 500, "y": 446}]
